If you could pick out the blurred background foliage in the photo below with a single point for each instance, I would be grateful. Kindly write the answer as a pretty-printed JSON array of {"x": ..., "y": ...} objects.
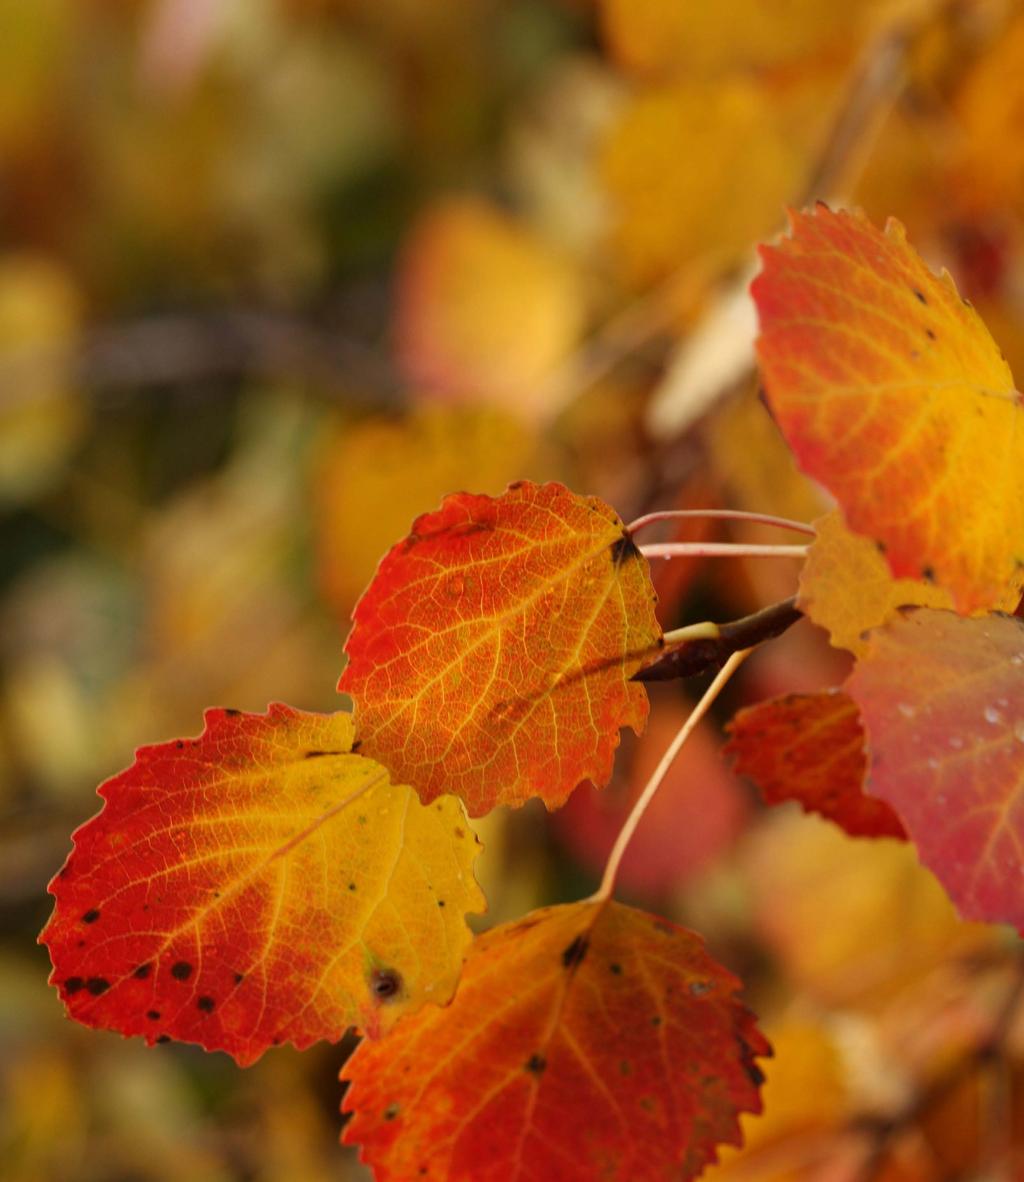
[{"x": 275, "y": 276}]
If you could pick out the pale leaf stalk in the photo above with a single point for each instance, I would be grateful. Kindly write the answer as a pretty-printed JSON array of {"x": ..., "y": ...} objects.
[
  {"x": 720, "y": 550},
  {"x": 611, "y": 870},
  {"x": 800, "y": 527}
]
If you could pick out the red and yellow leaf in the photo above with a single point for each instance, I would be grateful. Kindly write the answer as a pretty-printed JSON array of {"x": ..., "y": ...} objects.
[
  {"x": 847, "y": 588},
  {"x": 810, "y": 748},
  {"x": 492, "y": 654},
  {"x": 942, "y": 700},
  {"x": 891, "y": 392},
  {"x": 585, "y": 1041},
  {"x": 260, "y": 884}
]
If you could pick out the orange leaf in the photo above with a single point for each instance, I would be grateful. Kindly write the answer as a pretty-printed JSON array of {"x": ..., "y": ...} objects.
[
  {"x": 891, "y": 392},
  {"x": 492, "y": 654},
  {"x": 846, "y": 586},
  {"x": 260, "y": 884},
  {"x": 942, "y": 700},
  {"x": 585, "y": 1041},
  {"x": 810, "y": 748}
]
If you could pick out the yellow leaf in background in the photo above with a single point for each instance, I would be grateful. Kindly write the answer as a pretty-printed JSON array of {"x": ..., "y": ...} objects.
[
  {"x": 486, "y": 310},
  {"x": 846, "y": 585},
  {"x": 988, "y": 110},
  {"x": 703, "y": 170},
  {"x": 374, "y": 478},
  {"x": 804, "y": 1092},
  {"x": 41, "y": 413},
  {"x": 707, "y": 36},
  {"x": 852, "y": 921}
]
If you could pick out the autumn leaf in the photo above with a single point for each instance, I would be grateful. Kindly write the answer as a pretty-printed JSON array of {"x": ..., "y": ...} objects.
[
  {"x": 492, "y": 654},
  {"x": 846, "y": 585},
  {"x": 486, "y": 309},
  {"x": 810, "y": 748},
  {"x": 891, "y": 392},
  {"x": 585, "y": 1041},
  {"x": 942, "y": 700},
  {"x": 260, "y": 884}
]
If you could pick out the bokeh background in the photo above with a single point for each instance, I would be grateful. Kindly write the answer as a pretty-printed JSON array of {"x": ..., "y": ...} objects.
[{"x": 275, "y": 275}]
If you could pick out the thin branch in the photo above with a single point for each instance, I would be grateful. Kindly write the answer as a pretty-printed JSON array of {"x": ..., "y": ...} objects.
[
  {"x": 654, "y": 783},
  {"x": 699, "y": 647},
  {"x": 720, "y": 550},
  {"x": 800, "y": 527}
]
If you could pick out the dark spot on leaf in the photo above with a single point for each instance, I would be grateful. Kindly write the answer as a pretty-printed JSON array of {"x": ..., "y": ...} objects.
[
  {"x": 928, "y": 573},
  {"x": 206, "y": 1004},
  {"x": 179, "y": 743},
  {"x": 355, "y": 746},
  {"x": 920, "y": 295},
  {"x": 700, "y": 988},
  {"x": 624, "y": 549},
  {"x": 231, "y": 712},
  {"x": 616, "y": 969},
  {"x": 656, "y": 1020},
  {"x": 142, "y": 972},
  {"x": 153, "y": 1015},
  {"x": 181, "y": 970},
  {"x": 385, "y": 984},
  {"x": 930, "y": 334},
  {"x": 440, "y": 902},
  {"x": 646, "y": 1103},
  {"x": 458, "y": 832},
  {"x": 97, "y": 985},
  {"x": 351, "y": 886},
  {"x": 391, "y": 1111},
  {"x": 880, "y": 547},
  {"x": 73, "y": 984},
  {"x": 536, "y": 1063},
  {"x": 91, "y": 915},
  {"x": 754, "y": 1074},
  {"x": 239, "y": 978},
  {"x": 163, "y": 1038},
  {"x": 79, "y": 943},
  {"x": 576, "y": 951}
]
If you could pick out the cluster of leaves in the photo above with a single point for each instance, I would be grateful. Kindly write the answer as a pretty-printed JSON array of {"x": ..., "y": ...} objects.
[
  {"x": 203, "y": 208},
  {"x": 287, "y": 875}
]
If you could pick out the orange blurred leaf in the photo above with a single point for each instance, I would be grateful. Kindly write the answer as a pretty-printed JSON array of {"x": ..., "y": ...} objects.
[
  {"x": 492, "y": 654},
  {"x": 942, "y": 700},
  {"x": 585, "y": 1041},
  {"x": 486, "y": 309},
  {"x": 259, "y": 884},
  {"x": 810, "y": 748},
  {"x": 891, "y": 392}
]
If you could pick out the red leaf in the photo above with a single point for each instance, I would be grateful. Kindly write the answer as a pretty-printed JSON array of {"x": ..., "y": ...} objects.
[
  {"x": 942, "y": 698},
  {"x": 492, "y": 654},
  {"x": 891, "y": 392},
  {"x": 585, "y": 1041},
  {"x": 241, "y": 889},
  {"x": 810, "y": 748}
]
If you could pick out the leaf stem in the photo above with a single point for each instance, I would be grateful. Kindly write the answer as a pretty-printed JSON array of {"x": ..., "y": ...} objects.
[
  {"x": 720, "y": 550},
  {"x": 611, "y": 870},
  {"x": 800, "y": 527}
]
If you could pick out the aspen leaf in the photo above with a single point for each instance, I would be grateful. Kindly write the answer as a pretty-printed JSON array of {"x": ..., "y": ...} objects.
[
  {"x": 891, "y": 392},
  {"x": 492, "y": 654},
  {"x": 585, "y": 1041},
  {"x": 810, "y": 748},
  {"x": 942, "y": 700},
  {"x": 846, "y": 585},
  {"x": 258, "y": 884}
]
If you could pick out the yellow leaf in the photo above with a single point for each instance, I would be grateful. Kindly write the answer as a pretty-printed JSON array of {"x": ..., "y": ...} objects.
[{"x": 846, "y": 585}]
